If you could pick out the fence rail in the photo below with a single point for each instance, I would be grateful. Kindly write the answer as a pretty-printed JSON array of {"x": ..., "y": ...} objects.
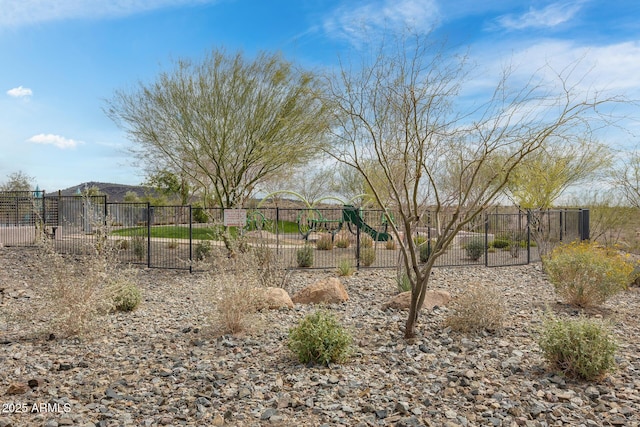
[{"x": 179, "y": 237}]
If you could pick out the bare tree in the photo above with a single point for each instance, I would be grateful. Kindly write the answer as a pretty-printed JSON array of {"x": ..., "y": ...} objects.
[
  {"x": 401, "y": 112},
  {"x": 226, "y": 122},
  {"x": 626, "y": 177}
]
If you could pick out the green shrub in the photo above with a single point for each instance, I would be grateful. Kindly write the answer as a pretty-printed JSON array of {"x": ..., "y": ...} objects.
[
  {"x": 475, "y": 249},
  {"x": 324, "y": 243},
  {"x": 139, "y": 244},
  {"x": 345, "y": 267},
  {"x": 202, "y": 250},
  {"x": 586, "y": 274},
  {"x": 366, "y": 241},
  {"x": 319, "y": 338},
  {"x": 367, "y": 256},
  {"x": 500, "y": 243},
  {"x": 425, "y": 251},
  {"x": 419, "y": 240},
  {"x": 304, "y": 256},
  {"x": 635, "y": 276},
  {"x": 126, "y": 296},
  {"x": 580, "y": 348},
  {"x": 403, "y": 283},
  {"x": 200, "y": 215},
  {"x": 342, "y": 243}
]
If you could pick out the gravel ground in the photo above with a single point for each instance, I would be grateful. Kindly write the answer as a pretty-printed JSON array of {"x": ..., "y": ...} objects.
[{"x": 159, "y": 366}]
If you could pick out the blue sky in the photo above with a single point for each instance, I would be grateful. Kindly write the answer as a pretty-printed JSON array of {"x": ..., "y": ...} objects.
[{"x": 60, "y": 59}]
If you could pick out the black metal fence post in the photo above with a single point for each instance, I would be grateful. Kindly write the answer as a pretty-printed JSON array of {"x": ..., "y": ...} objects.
[
  {"x": 583, "y": 224},
  {"x": 149, "y": 217},
  {"x": 190, "y": 239}
]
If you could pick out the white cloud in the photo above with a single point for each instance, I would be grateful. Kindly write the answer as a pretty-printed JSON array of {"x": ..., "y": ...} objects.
[
  {"x": 20, "y": 92},
  {"x": 550, "y": 16},
  {"x": 23, "y": 12},
  {"x": 55, "y": 140},
  {"x": 358, "y": 23}
]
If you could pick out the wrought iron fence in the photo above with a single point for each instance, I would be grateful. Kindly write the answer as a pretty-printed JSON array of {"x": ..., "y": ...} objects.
[{"x": 183, "y": 237}]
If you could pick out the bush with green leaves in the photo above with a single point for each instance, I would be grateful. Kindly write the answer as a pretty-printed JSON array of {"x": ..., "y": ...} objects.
[
  {"x": 342, "y": 242},
  {"x": 139, "y": 244},
  {"x": 200, "y": 215},
  {"x": 475, "y": 248},
  {"x": 304, "y": 256},
  {"x": 419, "y": 240},
  {"x": 345, "y": 267},
  {"x": 202, "y": 250},
  {"x": 500, "y": 243},
  {"x": 585, "y": 274},
  {"x": 367, "y": 256},
  {"x": 319, "y": 338},
  {"x": 425, "y": 251},
  {"x": 580, "y": 348},
  {"x": 126, "y": 296},
  {"x": 403, "y": 283}
]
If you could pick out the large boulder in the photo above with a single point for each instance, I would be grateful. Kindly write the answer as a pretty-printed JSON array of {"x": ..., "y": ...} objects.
[
  {"x": 327, "y": 291},
  {"x": 273, "y": 299},
  {"x": 432, "y": 299}
]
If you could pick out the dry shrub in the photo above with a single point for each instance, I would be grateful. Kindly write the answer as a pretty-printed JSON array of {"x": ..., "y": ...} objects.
[
  {"x": 342, "y": 242},
  {"x": 76, "y": 295},
  {"x": 366, "y": 241},
  {"x": 345, "y": 267},
  {"x": 232, "y": 293},
  {"x": 390, "y": 245},
  {"x": 324, "y": 243},
  {"x": 84, "y": 288},
  {"x": 479, "y": 308}
]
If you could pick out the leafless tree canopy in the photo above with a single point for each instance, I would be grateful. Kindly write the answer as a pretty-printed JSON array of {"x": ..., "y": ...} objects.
[{"x": 406, "y": 126}]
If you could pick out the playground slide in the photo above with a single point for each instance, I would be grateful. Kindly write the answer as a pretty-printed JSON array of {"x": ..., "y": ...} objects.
[{"x": 351, "y": 214}]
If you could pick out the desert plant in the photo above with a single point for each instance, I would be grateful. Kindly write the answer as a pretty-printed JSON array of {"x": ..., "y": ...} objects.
[
  {"x": 202, "y": 250},
  {"x": 480, "y": 308},
  {"x": 581, "y": 348},
  {"x": 271, "y": 271},
  {"x": 367, "y": 256},
  {"x": 304, "y": 256},
  {"x": 320, "y": 338},
  {"x": 500, "y": 243},
  {"x": 324, "y": 243},
  {"x": 475, "y": 248},
  {"x": 125, "y": 294},
  {"x": 345, "y": 267},
  {"x": 342, "y": 242},
  {"x": 419, "y": 239},
  {"x": 366, "y": 241},
  {"x": 139, "y": 245},
  {"x": 390, "y": 245},
  {"x": 586, "y": 274},
  {"x": 172, "y": 244},
  {"x": 232, "y": 293},
  {"x": 403, "y": 283},
  {"x": 200, "y": 215},
  {"x": 635, "y": 276},
  {"x": 425, "y": 251}
]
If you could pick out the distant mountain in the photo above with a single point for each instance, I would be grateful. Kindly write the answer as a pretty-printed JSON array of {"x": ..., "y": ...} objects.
[{"x": 114, "y": 192}]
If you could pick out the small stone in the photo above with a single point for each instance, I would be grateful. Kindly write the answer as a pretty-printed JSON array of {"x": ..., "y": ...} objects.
[
  {"x": 17, "y": 388},
  {"x": 266, "y": 415},
  {"x": 218, "y": 421}
]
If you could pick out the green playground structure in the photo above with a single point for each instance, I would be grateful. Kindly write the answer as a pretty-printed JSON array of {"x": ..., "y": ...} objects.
[{"x": 312, "y": 220}]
